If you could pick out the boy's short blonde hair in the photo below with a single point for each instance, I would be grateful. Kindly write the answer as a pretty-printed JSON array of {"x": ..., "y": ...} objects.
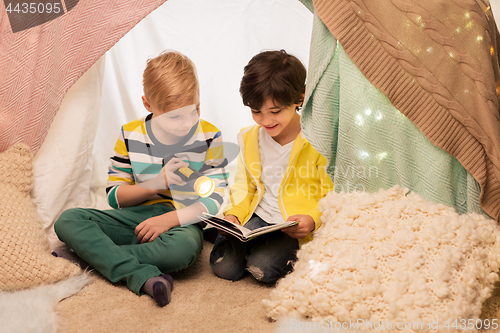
[{"x": 170, "y": 81}]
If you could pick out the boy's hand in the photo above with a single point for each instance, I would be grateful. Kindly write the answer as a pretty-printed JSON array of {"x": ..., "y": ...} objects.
[
  {"x": 305, "y": 224},
  {"x": 232, "y": 219},
  {"x": 150, "y": 229},
  {"x": 166, "y": 176},
  {"x": 168, "y": 172}
]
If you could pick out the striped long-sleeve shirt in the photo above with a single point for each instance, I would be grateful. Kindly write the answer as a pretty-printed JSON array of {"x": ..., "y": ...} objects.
[{"x": 138, "y": 157}]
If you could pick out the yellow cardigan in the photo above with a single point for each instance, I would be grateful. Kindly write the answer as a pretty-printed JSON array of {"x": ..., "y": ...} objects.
[{"x": 304, "y": 183}]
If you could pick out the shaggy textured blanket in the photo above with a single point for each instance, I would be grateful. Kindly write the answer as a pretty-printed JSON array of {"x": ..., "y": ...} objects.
[{"x": 392, "y": 257}]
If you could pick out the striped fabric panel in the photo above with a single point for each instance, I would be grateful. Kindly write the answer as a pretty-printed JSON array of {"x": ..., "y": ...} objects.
[
  {"x": 40, "y": 64},
  {"x": 137, "y": 159}
]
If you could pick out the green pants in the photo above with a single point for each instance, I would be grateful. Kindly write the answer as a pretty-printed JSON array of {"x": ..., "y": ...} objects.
[{"x": 106, "y": 240}]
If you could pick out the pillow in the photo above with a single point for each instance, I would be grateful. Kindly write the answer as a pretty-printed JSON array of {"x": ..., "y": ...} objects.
[
  {"x": 389, "y": 258},
  {"x": 25, "y": 260}
]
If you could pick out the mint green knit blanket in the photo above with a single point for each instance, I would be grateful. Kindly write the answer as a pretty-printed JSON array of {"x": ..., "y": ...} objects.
[{"x": 368, "y": 143}]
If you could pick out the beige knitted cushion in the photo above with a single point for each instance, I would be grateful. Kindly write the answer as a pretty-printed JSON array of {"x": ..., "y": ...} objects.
[
  {"x": 391, "y": 257},
  {"x": 25, "y": 259}
]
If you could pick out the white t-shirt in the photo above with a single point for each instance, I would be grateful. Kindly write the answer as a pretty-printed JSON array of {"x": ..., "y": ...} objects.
[{"x": 274, "y": 160}]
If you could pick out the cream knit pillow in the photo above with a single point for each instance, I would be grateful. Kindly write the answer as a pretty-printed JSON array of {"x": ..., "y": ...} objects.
[
  {"x": 391, "y": 257},
  {"x": 25, "y": 260}
]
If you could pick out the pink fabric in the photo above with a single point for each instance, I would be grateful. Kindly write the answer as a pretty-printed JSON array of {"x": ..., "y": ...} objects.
[{"x": 39, "y": 65}]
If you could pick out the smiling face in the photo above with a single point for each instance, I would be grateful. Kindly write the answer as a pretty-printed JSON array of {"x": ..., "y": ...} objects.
[
  {"x": 282, "y": 123},
  {"x": 171, "y": 126}
]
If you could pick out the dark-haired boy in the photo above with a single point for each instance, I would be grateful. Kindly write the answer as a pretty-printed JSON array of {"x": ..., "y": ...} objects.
[{"x": 279, "y": 177}]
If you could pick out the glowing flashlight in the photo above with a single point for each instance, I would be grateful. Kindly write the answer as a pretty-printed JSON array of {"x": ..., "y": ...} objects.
[{"x": 202, "y": 185}]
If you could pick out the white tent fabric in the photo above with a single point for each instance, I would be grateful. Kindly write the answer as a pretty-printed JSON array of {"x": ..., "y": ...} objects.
[
  {"x": 219, "y": 36},
  {"x": 63, "y": 165}
]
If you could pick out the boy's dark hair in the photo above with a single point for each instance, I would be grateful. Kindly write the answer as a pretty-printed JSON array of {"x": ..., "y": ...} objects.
[{"x": 275, "y": 74}]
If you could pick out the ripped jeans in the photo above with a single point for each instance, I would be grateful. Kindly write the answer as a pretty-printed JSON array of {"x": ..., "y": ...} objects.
[{"x": 267, "y": 257}]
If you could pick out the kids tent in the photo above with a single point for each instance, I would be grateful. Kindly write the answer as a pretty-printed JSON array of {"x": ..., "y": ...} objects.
[{"x": 71, "y": 162}]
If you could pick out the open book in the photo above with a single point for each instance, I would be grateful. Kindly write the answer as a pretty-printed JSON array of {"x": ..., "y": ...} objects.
[{"x": 239, "y": 231}]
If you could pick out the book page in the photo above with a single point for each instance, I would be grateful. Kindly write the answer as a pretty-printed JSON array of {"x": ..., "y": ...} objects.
[
  {"x": 242, "y": 233},
  {"x": 224, "y": 224},
  {"x": 272, "y": 227}
]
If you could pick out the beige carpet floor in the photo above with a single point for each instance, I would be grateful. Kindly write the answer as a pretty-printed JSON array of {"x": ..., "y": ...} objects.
[{"x": 201, "y": 302}]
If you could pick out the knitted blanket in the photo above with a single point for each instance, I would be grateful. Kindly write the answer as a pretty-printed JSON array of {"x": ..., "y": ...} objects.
[
  {"x": 432, "y": 61},
  {"x": 42, "y": 56}
]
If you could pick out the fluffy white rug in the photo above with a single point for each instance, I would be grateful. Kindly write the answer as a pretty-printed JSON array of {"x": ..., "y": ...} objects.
[
  {"x": 393, "y": 258},
  {"x": 32, "y": 310}
]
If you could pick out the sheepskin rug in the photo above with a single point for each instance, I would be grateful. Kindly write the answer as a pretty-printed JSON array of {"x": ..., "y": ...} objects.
[
  {"x": 386, "y": 259},
  {"x": 33, "y": 310}
]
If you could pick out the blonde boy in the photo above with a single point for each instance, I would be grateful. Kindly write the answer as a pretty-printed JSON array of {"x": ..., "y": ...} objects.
[{"x": 149, "y": 233}]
